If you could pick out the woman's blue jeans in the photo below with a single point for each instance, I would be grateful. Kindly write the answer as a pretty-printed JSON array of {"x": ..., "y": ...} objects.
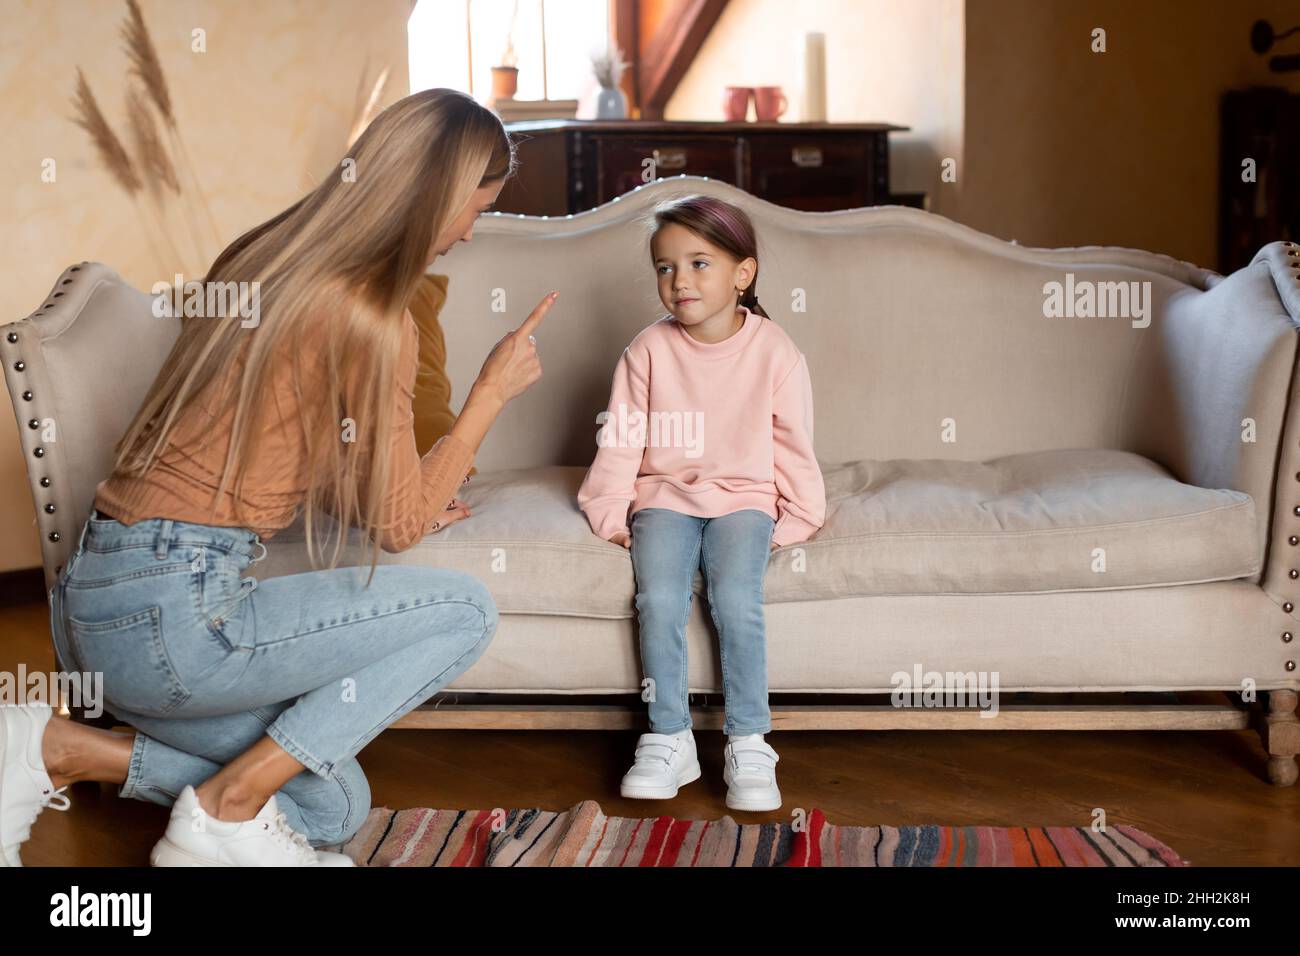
[
  {"x": 732, "y": 550},
  {"x": 204, "y": 662}
]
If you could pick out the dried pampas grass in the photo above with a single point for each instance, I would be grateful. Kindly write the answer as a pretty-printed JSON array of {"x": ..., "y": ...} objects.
[
  {"x": 161, "y": 170},
  {"x": 149, "y": 147},
  {"x": 145, "y": 63},
  {"x": 111, "y": 152},
  {"x": 147, "y": 68},
  {"x": 151, "y": 155},
  {"x": 152, "y": 172},
  {"x": 113, "y": 156}
]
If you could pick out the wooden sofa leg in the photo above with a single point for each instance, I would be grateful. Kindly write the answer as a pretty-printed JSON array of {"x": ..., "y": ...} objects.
[{"x": 1281, "y": 733}]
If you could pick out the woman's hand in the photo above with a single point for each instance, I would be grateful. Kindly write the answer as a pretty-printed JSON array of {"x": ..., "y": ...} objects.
[
  {"x": 456, "y": 509},
  {"x": 510, "y": 368},
  {"x": 623, "y": 538},
  {"x": 512, "y": 365}
]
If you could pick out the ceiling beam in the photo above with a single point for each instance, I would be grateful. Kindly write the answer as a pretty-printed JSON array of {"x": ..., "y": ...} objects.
[{"x": 661, "y": 60}]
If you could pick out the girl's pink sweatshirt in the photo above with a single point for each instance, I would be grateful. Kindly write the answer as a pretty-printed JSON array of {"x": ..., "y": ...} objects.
[{"x": 706, "y": 430}]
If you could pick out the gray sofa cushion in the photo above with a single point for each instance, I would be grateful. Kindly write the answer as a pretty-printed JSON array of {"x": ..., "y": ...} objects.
[{"x": 1023, "y": 523}]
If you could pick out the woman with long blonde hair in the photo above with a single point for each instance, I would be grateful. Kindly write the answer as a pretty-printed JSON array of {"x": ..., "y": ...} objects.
[{"x": 251, "y": 699}]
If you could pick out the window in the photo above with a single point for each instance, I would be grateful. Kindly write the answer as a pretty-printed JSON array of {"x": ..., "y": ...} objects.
[{"x": 455, "y": 43}]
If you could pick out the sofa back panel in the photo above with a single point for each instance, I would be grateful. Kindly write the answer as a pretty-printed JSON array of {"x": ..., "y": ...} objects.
[
  {"x": 911, "y": 321},
  {"x": 90, "y": 355}
]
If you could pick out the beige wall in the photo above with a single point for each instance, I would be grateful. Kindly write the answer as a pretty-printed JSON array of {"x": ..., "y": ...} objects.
[
  {"x": 264, "y": 113},
  {"x": 1065, "y": 147},
  {"x": 886, "y": 61}
]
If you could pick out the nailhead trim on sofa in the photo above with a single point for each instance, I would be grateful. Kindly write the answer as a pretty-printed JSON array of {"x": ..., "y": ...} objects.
[{"x": 20, "y": 345}]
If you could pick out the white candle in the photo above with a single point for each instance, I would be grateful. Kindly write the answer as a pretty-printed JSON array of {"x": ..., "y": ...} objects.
[{"x": 813, "y": 54}]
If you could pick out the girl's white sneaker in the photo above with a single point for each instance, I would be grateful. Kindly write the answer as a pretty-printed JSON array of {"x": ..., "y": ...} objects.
[
  {"x": 663, "y": 762},
  {"x": 25, "y": 787},
  {"x": 193, "y": 838},
  {"x": 749, "y": 770}
]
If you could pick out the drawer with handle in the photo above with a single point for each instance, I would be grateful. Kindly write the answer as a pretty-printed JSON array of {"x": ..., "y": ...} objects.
[
  {"x": 623, "y": 164},
  {"x": 822, "y": 174}
]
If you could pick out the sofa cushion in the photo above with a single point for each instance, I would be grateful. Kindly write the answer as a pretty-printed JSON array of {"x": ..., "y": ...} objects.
[
  {"x": 525, "y": 539},
  {"x": 1062, "y": 520},
  {"x": 1020, "y": 524}
]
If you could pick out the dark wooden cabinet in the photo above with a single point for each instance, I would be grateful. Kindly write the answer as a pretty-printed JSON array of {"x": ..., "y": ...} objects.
[
  {"x": 568, "y": 166},
  {"x": 829, "y": 172},
  {"x": 614, "y": 164},
  {"x": 1263, "y": 124}
]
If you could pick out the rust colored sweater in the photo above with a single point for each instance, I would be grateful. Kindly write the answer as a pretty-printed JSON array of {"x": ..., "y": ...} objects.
[{"x": 183, "y": 481}]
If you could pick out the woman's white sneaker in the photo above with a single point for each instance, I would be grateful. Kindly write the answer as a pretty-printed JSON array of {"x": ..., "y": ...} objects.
[
  {"x": 265, "y": 840},
  {"x": 663, "y": 762},
  {"x": 749, "y": 770},
  {"x": 25, "y": 787}
]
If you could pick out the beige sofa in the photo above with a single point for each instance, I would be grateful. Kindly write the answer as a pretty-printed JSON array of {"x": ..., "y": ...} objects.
[{"x": 1068, "y": 504}]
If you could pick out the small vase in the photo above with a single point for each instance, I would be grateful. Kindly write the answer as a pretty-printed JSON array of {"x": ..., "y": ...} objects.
[
  {"x": 611, "y": 104},
  {"x": 505, "y": 82}
]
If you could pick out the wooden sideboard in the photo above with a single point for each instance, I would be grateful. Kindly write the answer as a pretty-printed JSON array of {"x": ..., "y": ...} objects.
[
  {"x": 568, "y": 166},
  {"x": 1263, "y": 124}
]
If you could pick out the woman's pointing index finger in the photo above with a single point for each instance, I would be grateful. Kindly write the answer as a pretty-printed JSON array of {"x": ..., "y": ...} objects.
[{"x": 535, "y": 317}]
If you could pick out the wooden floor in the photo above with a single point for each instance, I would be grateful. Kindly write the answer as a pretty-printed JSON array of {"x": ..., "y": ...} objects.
[{"x": 1204, "y": 794}]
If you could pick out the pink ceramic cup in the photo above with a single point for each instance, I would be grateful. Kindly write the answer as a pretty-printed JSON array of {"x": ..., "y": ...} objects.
[
  {"x": 735, "y": 103},
  {"x": 769, "y": 103}
]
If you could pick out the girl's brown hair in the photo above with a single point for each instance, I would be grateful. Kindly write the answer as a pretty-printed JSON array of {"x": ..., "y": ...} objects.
[
  {"x": 718, "y": 222},
  {"x": 335, "y": 271}
]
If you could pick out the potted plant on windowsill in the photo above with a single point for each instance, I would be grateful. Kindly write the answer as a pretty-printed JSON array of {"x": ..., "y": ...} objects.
[{"x": 505, "y": 75}]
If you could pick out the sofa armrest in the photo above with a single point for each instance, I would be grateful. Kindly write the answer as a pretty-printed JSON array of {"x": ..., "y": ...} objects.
[
  {"x": 1212, "y": 392},
  {"x": 1281, "y": 576},
  {"x": 82, "y": 361}
]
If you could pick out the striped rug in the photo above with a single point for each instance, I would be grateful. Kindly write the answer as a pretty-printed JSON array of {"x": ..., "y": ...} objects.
[{"x": 585, "y": 836}]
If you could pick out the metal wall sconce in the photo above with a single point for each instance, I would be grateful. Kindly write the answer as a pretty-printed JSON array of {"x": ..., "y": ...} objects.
[{"x": 1262, "y": 38}]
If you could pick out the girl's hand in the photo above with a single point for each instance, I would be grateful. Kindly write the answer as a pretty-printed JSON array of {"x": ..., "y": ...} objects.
[
  {"x": 456, "y": 510},
  {"x": 623, "y": 538},
  {"x": 512, "y": 365}
]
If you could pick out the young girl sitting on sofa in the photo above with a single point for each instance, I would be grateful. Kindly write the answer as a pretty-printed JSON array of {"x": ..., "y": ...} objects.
[{"x": 732, "y": 477}]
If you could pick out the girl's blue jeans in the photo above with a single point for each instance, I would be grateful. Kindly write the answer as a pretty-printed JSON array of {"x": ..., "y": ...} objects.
[
  {"x": 204, "y": 662},
  {"x": 732, "y": 550}
]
